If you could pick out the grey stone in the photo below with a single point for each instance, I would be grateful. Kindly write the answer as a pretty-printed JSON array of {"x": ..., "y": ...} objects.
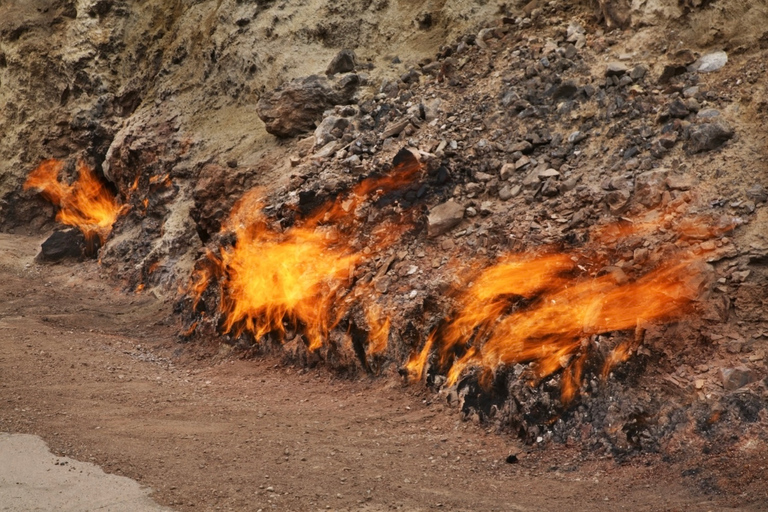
[
  {"x": 443, "y": 218},
  {"x": 709, "y": 136},
  {"x": 323, "y": 132},
  {"x": 711, "y": 62},
  {"x": 344, "y": 62},
  {"x": 615, "y": 69},
  {"x": 638, "y": 72},
  {"x": 708, "y": 113},
  {"x": 757, "y": 193},
  {"x": 737, "y": 377},
  {"x": 505, "y": 193}
]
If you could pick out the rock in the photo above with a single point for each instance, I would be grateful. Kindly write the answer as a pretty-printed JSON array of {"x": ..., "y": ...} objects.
[
  {"x": 522, "y": 162},
  {"x": 708, "y": 113},
  {"x": 60, "y": 245},
  {"x": 326, "y": 151},
  {"x": 638, "y": 72},
  {"x": 296, "y": 106},
  {"x": 565, "y": 90},
  {"x": 505, "y": 193},
  {"x": 548, "y": 173},
  {"x": 506, "y": 171},
  {"x": 680, "y": 182},
  {"x": 649, "y": 186},
  {"x": 757, "y": 193},
  {"x": 615, "y": 69},
  {"x": 324, "y": 132},
  {"x": 443, "y": 218},
  {"x": 395, "y": 128},
  {"x": 709, "y": 136},
  {"x": 344, "y": 62},
  {"x": 470, "y": 212},
  {"x": 678, "y": 109},
  {"x": 711, "y": 62},
  {"x": 617, "y": 201},
  {"x": 738, "y": 377},
  {"x": 523, "y": 147}
]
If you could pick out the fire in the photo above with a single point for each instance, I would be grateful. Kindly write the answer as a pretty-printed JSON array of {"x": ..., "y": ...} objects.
[
  {"x": 273, "y": 279},
  {"x": 547, "y": 309},
  {"x": 86, "y": 204}
]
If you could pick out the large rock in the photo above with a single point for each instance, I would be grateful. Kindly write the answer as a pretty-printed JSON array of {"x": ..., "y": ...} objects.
[
  {"x": 295, "y": 107},
  {"x": 709, "y": 136},
  {"x": 443, "y": 218}
]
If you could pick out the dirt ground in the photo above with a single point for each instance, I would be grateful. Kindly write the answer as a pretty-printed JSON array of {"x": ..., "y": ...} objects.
[{"x": 100, "y": 376}]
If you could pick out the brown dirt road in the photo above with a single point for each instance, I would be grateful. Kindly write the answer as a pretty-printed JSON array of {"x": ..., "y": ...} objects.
[{"x": 100, "y": 376}]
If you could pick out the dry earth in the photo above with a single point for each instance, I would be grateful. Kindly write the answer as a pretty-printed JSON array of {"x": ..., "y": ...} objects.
[{"x": 99, "y": 375}]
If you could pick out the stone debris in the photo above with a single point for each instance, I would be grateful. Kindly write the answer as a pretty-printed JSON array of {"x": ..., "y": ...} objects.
[{"x": 444, "y": 217}]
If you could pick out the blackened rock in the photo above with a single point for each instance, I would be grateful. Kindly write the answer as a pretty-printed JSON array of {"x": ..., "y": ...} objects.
[
  {"x": 566, "y": 90},
  {"x": 344, "y": 62},
  {"x": 678, "y": 109},
  {"x": 62, "y": 245},
  {"x": 295, "y": 107},
  {"x": 670, "y": 71},
  {"x": 738, "y": 377},
  {"x": 709, "y": 136}
]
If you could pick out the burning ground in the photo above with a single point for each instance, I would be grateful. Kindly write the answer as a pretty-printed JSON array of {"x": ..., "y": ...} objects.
[{"x": 556, "y": 227}]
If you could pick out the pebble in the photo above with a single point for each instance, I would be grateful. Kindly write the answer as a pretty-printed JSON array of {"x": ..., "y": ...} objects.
[{"x": 711, "y": 62}]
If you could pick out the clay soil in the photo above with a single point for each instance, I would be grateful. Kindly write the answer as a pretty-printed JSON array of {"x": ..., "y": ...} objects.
[{"x": 100, "y": 376}]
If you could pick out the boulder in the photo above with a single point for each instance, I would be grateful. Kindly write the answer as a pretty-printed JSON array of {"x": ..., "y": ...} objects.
[
  {"x": 344, "y": 62},
  {"x": 295, "y": 107}
]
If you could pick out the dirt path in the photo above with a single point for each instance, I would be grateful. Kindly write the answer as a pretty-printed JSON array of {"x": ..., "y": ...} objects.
[{"x": 99, "y": 375}]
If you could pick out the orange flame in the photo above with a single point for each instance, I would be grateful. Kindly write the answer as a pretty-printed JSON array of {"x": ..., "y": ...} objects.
[
  {"x": 87, "y": 204},
  {"x": 300, "y": 277},
  {"x": 543, "y": 308}
]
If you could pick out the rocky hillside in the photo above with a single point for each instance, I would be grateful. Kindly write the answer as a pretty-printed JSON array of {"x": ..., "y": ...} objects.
[{"x": 535, "y": 125}]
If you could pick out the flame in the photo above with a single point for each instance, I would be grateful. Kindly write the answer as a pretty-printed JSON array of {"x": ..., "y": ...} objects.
[
  {"x": 86, "y": 204},
  {"x": 544, "y": 308},
  {"x": 272, "y": 279}
]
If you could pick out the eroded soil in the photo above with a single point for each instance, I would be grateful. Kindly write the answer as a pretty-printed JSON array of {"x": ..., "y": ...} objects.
[{"x": 101, "y": 377}]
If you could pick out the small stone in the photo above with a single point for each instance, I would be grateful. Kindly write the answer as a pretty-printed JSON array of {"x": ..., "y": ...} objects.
[
  {"x": 738, "y": 377},
  {"x": 470, "y": 211},
  {"x": 617, "y": 201},
  {"x": 708, "y": 113},
  {"x": 757, "y": 193},
  {"x": 506, "y": 171},
  {"x": 505, "y": 193},
  {"x": 709, "y": 136},
  {"x": 486, "y": 208},
  {"x": 444, "y": 217},
  {"x": 549, "y": 173},
  {"x": 711, "y": 62},
  {"x": 522, "y": 162},
  {"x": 344, "y": 62},
  {"x": 523, "y": 147},
  {"x": 616, "y": 69},
  {"x": 678, "y": 109},
  {"x": 638, "y": 72},
  {"x": 680, "y": 182}
]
